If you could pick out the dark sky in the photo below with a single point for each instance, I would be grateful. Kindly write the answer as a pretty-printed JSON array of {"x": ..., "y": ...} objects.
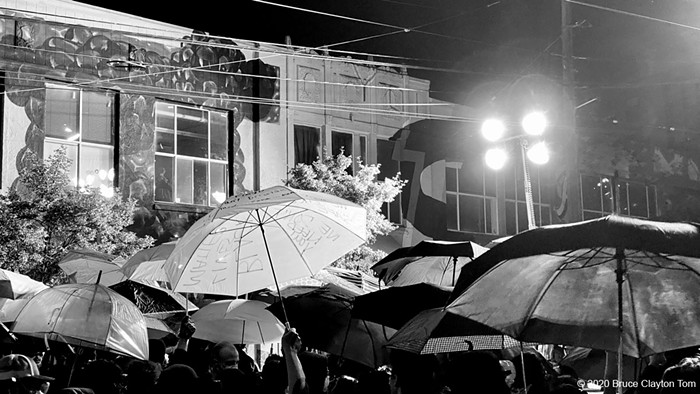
[{"x": 462, "y": 42}]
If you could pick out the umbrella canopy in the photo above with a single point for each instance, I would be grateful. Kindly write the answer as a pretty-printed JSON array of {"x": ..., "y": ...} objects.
[
  {"x": 323, "y": 320},
  {"x": 260, "y": 239},
  {"x": 614, "y": 283},
  {"x": 157, "y": 328},
  {"x": 237, "y": 321},
  {"x": 439, "y": 331},
  {"x": 438, "y": 262},
  {"x": 86, "y": 315},
  {"x": 87, "y": 266},
  {"x": 589, "y": 364},
  {"x": 14, "y": 285},
  {"x": 395, "y": 306},
  {"x": 147, "y": 264},
  {"x": 153, "y": 300}
]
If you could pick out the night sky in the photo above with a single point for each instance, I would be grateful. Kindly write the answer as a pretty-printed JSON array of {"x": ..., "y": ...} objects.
[{"x": 460, "y": 43}]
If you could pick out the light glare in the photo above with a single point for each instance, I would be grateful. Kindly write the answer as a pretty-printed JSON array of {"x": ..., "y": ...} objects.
[
  {"x": 534, "y": 123},
  {"x": 538, "y": 153},
  {"x": 496, "y": 158},
  {"x": 493, "y": 129}
]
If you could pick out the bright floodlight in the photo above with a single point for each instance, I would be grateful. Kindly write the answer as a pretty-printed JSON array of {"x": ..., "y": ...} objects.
[
  {"x": 496, "y": 158},
  {"x": 538, "y": 153},
  {"x": 534, "y": 123},
  {"x": 493, "y": 129}
]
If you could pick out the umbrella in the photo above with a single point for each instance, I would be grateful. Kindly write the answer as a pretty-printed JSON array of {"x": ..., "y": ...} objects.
[
  {"x": 439, "y": 331},
  {"x": 157, "y": 328},
  {"x": 85, "y": 315},
  {"x": 260, "y": 239},
  {"x": 14, "y": 285},
  {"x": 589, "y": 364},
  {"x": 152, "y": 299},
  {"x": 147, "y": 264},
  {"x": 87, "y": 266},
  {"x": 395, "y": 306},
  {"x": 437, "y": 262},
  {"x": 237, "y": 321},
  {"x": 323, "y": 320},
  {"x": 615, "y": 283}
]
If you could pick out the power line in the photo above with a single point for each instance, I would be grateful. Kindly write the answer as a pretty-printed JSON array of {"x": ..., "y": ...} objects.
[{"x": 632, "y": 14}]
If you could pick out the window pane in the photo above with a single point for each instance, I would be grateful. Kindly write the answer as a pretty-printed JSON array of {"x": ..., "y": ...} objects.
[
  {"x": 452, "y": 212},
  {"x": 651, "y": 193},
  {"x": 184, "y": 184},
  {"x": 588, "y": 215},
  {"x": 490, "y": 182},
  {"x": 341, "y": 141},
  {"x": 201, "y": 191},
  {"x": 71, "y": 153},
  {"x": 62, "y": 113},
  {"x": 490, "y": 218},
  {"x": 192, "y": 132},
  {"x": 165, "y": 116},
  {"x": 545, "y": 215},
  {"x": 522, "y": 217},
  {"x": 535, "y": 184},
  {"x": 511, "y": 220},
  {"x": 165, "y": 141},
  {"x": 95, "y": 163},
  {"x": 164, "y": 179},
  {"x": 606, "y": 190},
  {"x": 471, "y": 214},
  {"x": 219, "y": 135},
  {"x": 451, "y": 179},
  {"x": 307, "y": 144},
  {"x": 638, "y": 200},
  {"x": 218, "y": 182},
  {"x": 363, "y": 149},
  {"x": 590, "y": 189},
  {"x": 624, "y": 207},
  {"x": 395, "y": 210},
  {"x": 471, "y": 177},
  {"x": 97, "y": 117},
  {"x": 509, "y": 172}
]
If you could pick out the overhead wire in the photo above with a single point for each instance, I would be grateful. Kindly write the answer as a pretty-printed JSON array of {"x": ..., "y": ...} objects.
[{"x": 632, "y": 14}]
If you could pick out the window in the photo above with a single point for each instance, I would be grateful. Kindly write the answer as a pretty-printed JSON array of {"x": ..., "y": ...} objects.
[
  {"x": 471, "y": 198},
  {"x": 307, "y": 144},
  {"x": 636, "y": 199},
  {"x": 83, "y": 123},
  {"x": 191, "y": 155},
  {"x": 389, "y": 168},
  {"x": 351, "y": 144},
  {"x": 516, "y": 205}
]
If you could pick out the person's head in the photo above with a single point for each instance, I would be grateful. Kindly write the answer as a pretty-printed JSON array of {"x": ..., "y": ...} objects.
[
  {"x": 223, "y": 356},
  {"x": 236, "y": 381},
  {"x": 476, "y": 371},
  {"x": 177, "y": 378},
  {"x": 685, "y": 376},
  {"x": 274, "y": 375},
  {"x": 142, "y": 376},
  {"x": 316, "y": 370},
  {"x": 20, "y": 375},
  {"x": 539, "y": 373}
]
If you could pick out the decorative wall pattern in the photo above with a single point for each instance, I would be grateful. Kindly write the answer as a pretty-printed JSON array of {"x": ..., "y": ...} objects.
[{"x": 201, "y": 71}]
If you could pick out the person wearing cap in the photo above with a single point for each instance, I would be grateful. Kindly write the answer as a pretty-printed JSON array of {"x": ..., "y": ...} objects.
[{"x": 19, "y": 374}]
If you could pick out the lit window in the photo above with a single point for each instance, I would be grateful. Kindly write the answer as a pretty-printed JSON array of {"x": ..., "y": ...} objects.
[
  {"x": 515, "y": 199},
  {"x": 635, "y": 199},
  {"x": 191, "y": 155},
  {"x": 83, "y": 123},
  {"x": 470, "y": 198}
]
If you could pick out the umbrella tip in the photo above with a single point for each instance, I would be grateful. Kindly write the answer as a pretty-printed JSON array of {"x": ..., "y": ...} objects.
[{"x": 99, "y": 276}]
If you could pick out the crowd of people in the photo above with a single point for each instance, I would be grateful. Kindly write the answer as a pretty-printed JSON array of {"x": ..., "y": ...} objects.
[{"x": 225, "y": 368}]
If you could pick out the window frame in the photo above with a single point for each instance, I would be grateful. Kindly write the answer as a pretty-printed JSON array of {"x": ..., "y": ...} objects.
[
  {"x": 624, "y": 191},
  {"x": 491, "y": 216}
]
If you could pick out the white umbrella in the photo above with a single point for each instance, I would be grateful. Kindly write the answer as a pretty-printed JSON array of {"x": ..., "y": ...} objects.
[
  {"x": 261, "y": 239},
  {"x": 89, "y": 266},
  {"x": 147, "y": 264},
  {"x": 14, "y": 285},
  {"x": 92, "y": 316},
  {"x": 237, "y": 321}
]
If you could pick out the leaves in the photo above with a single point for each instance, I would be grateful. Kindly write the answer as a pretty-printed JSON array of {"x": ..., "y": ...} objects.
[
  {"x": 46, "y": 216},
  {"x": 330, "y": 175}
]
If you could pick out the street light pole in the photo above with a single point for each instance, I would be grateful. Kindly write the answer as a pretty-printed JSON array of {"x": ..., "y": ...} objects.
[{"x": 529, "y": 204}]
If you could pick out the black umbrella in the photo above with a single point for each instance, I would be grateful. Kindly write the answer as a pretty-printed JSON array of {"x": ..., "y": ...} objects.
[{"x": 153, "y": 300}]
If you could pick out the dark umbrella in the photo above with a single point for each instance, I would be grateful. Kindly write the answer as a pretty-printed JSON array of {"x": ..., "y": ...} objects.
[
  {"x": 323, "y": 320},
  {"x": 394, "y": 306},
  {"x": 153, "y": 300},
  {"x": 437, "y": 262},
  {"x": 614, "y": 283}
]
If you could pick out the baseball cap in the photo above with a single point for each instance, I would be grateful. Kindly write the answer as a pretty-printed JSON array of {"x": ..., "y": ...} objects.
[{"x": 18, "y": 366}]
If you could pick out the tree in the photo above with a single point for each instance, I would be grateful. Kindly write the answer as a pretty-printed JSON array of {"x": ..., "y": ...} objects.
[
  {"x": 330, "y": 175},
  {"x": 45, "y": 216}
]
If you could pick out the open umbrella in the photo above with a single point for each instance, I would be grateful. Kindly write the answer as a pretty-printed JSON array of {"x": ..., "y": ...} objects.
[
  {"x": 438, "y": 262},
  {"x": 439, "y": 331},
  {"x": 395, "y": 306},
  {"x": 614, "y": 283},
  {"x": 237, "y": 321},
  {"x": 14, "y": 285},
  {"x": 84, "y": 315},
  {"x": 87, "y": 266},
  {"x": 152, "y": 299},
  {"x": 147, "y": 264},
  {"x": 158, "y": 328},
  {"x": 323, "y": 320},
  {"x": 260, "y": 239}
]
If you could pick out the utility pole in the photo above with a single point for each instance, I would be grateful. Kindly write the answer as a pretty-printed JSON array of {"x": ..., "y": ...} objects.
[{"x": 570, "y": 187}]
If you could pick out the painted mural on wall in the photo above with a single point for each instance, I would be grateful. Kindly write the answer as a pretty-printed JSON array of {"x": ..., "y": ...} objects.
[{"x": 200, "y": 70}]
